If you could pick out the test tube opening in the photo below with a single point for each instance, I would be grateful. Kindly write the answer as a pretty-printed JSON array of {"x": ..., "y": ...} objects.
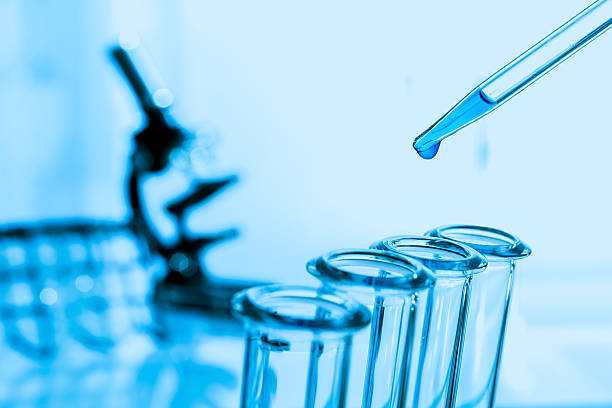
[{"x": 491, "y": 242}]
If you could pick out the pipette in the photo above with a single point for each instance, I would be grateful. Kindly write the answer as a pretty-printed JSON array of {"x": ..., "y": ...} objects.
[{"x": 518, "y": 74}]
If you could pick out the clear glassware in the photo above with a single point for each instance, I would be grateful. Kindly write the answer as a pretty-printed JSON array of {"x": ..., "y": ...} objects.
[
  {"x": 487, "y": 317},
  {"x": 454, "y": 266},
  {"x": 298, "y": 345},
  {"x": 384, "y": 365}
]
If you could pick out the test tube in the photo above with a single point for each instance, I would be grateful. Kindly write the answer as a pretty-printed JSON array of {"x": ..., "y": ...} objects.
[
  {"x": 298, "y": 344},
  {"x": 454, "y": 266},
  {"x": 486, "y": 321},
  {"x": 384, "y": 364}
]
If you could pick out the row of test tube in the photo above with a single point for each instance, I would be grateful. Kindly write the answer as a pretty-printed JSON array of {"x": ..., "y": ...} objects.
[{"x": 414, "y": 321}]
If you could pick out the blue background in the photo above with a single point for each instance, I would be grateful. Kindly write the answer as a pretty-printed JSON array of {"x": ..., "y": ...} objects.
[{"x": 315, "y": 106}]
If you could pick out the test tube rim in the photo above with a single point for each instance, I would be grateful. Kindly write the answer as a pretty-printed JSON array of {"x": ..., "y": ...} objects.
[
  {"x": 417, "y": 276},
  {"x": 472, "y": 263},
  {"x": 246, "y": 306},
  {"x": 513, "y": 249}
]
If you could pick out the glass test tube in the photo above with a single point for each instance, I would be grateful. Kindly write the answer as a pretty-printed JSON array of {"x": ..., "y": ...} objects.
[
  {"x": 384, "y": 364},
  {"x": 454, "y": 266},
  {"x": 486, "y": 322},
  {"x": 298, "y": 345}
]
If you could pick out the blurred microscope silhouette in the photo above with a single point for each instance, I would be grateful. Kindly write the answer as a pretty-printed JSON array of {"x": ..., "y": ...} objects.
[{"x": 85, "y": 300}]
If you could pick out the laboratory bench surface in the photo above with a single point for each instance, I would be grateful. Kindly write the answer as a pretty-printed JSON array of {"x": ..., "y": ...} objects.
[{"x": 189, "y": 360}]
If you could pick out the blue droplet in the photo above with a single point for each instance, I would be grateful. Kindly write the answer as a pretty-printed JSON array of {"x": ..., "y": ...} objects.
[{"x": 429, "y": 153}]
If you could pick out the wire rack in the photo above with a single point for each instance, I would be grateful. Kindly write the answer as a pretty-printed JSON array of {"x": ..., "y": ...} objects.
[{"x": 79, "y": 278}]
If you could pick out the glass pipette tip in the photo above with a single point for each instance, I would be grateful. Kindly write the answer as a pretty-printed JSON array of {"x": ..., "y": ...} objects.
[{"x": 518, "y": 74}]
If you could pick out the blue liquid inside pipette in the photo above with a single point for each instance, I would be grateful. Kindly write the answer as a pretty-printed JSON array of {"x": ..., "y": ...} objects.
[{"x": 469, "y": 109}]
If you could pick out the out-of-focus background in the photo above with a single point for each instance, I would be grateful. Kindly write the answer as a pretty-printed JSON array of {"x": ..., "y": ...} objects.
[{"x": 314, "y": 106}]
